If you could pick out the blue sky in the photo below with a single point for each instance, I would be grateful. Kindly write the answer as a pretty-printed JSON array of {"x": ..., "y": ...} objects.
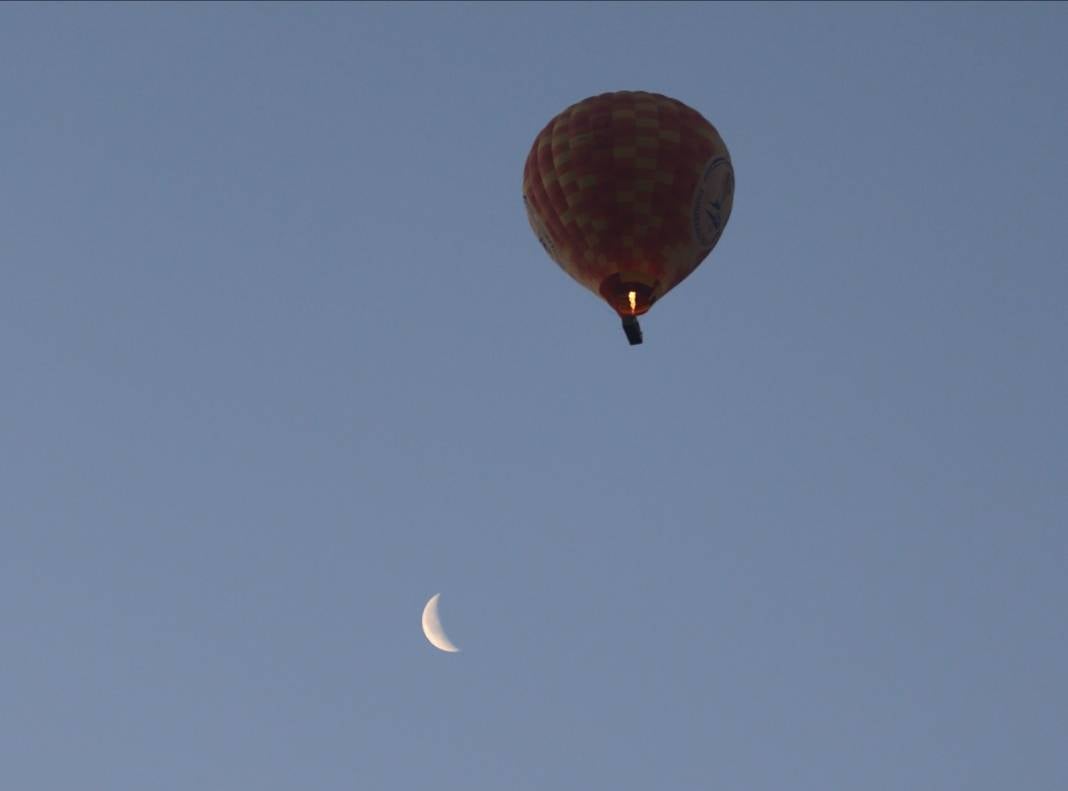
[{"x": 282, "y": 359}]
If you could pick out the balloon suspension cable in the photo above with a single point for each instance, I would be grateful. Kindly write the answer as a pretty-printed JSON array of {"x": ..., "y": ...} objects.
[{"x": 633, "y": 330}]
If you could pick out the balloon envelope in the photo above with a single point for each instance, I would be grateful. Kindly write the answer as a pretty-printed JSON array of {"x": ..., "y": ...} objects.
[{"x": 628, "y": 192}]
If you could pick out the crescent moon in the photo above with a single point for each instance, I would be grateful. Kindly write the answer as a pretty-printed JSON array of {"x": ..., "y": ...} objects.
[{"x": 432, "y": 627}]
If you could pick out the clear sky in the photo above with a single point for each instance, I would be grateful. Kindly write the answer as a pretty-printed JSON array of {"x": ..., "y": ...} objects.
[{"x": 281, "y": 358}]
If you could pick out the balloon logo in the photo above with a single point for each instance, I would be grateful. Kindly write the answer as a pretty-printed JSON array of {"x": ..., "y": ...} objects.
[{"x": 628, "y": 193}]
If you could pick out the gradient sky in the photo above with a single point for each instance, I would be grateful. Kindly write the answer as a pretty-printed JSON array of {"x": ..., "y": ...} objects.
[{"x": 282, "y": 358}]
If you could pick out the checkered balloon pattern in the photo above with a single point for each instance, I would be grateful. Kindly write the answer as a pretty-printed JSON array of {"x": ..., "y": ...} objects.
[{"x": 628, "y": 192}]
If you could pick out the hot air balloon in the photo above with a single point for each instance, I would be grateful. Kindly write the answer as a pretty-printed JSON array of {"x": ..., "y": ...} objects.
[{"x": 628, "y": 192}]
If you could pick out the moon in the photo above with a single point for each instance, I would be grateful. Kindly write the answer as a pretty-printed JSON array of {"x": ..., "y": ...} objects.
[{"x": 432, "y": 627}]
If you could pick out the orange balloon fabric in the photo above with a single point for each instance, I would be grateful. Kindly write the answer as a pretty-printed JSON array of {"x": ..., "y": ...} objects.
[{"x": 628, "y": 192}]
